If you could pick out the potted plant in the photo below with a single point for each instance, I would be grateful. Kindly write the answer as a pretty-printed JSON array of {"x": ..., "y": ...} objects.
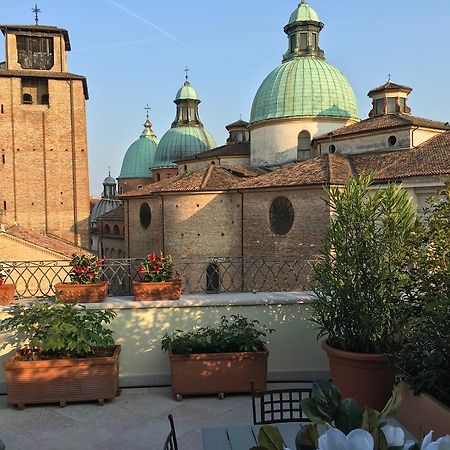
[
  {"x": 424, "y": 358},
  {"x": 218, "y": 360},
  {"x": 359, "y": 284},
  {"x": 160, "y": 282},
  {"x": 65, "y": 353},
  {"x": 342, "y": 424},
  {"x": 85, "y": 286},
  {"x": 7, "y": 290}
]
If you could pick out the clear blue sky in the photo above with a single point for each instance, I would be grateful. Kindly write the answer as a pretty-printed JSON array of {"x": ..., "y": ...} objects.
[{"x": 133, "y": 52}]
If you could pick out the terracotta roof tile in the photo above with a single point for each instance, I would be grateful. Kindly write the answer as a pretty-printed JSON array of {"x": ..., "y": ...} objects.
[
  {"x": 390, "y": 85},
  {"x": 45, "y": 241},
  {"x": 384, "y": 122},
  {"x": 234, "y": 149}
]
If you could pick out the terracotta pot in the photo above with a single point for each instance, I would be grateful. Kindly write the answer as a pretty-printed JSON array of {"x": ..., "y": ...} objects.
[
  {"x": 62, "y": 380},
  {"x": 151, "y": 291},
  {"x": 82, "y": 293},
  {"x": 7, "y": 292},
  {"x": 422, "y": 413},
  {"x": 361, "y": 376},
  {"x": 217, "y": 373}
]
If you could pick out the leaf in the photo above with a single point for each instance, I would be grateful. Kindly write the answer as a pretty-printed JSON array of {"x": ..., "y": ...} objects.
[
  {"x": 371, "y": 423},
  {"x": 392, "y": 404},
  {"x": 327, "y": 397},
  {"x": 270, "y": 438},
  {"x": 309, "y": 407},
  {"x": 307, "y": 438},
  {"x": 349, "y": 416},
  {"x": 258, "y": 448}
]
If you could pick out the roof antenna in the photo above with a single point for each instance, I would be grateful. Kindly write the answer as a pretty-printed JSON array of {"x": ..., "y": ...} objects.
[{"x": 36, "y": 11}]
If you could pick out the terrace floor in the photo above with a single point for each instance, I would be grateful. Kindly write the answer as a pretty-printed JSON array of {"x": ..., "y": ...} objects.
[{"x": 136, "y": 420}]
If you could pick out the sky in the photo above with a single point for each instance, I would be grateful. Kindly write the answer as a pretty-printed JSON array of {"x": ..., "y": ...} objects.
[{"x": 134, "y": 52}]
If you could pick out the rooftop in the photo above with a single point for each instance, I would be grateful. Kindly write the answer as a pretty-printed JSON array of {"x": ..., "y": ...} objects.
[{"x": 39, "y": 28}]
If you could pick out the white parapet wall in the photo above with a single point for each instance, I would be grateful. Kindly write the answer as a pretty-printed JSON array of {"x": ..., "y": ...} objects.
[{"x": 295, "y": 353}]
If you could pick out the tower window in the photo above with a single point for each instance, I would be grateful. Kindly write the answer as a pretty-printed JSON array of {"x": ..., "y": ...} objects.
[
  {"x": 304, "y": 141},
  {"x": 293, "y": 42},
  {"x": 35, "y": 90},
  {"x": 314, "y": 41},
  {"x": 27, "y": 99},
  {"x": 392, "y": 105},
  {"x": 303, "y": 41},
  {"x": 35, "y": 52},
  {"x": 402, "y": 102},
  {"x": 379, "y": 106}
]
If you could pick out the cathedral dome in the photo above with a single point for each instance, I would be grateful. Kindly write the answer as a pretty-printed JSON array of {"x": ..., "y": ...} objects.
[
  {"x": 140, "y": 156},
  {"x": 182, "y": 142},
  {"x": 304, "y": 13},
  {"x": 305, "y": 86}
]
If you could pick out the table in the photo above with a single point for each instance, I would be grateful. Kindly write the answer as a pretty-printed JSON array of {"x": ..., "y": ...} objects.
[{"x": 244, "y": 437}]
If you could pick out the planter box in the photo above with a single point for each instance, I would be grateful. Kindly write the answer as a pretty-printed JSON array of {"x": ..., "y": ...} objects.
[
  {"x": 7, "y": 292},
  {"x": 62, "y": 380},
  {"x": 218, "y": 373},
  {"x": 422, "y": 413},
  {"x": 82, "y": 293},
  {"x": 153, "y": 291}
]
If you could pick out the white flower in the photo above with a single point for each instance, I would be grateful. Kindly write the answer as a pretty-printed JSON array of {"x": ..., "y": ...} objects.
[
  {"x": 442, "y": 443},
  {"x": 395, "y": 436},
  {"x": 335, "y": 439}
]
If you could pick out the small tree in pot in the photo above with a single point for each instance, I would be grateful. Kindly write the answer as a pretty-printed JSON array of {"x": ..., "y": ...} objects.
[{"x": 360, "y": 304}]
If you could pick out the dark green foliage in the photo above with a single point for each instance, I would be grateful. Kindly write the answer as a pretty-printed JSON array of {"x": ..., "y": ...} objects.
[
  {"x": 237, "y": 334},
  {"x": 425, "y": 354},
  {"x": 269, "y": 438},
  {"x": 50, "y": 329},
  {"x": 85, "y": 269},
  {"x": 359, "y": 281},
  {"x": 307, "y": 438}
]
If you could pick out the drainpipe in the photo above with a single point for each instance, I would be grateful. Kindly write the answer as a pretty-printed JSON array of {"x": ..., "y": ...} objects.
[
  {"x": 412, "y": 136},
  {"x": 163, "y": 220},
  {"x": 242, "y": 239}
]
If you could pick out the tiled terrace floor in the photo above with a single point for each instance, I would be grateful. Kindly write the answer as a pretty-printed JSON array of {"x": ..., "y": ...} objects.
[{"x": 136, "y": 420}]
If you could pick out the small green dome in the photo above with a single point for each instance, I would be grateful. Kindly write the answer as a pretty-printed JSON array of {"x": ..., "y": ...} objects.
[
  {"x": 306, "y": 86},
  {"x": 304, "y": 13},
  {"x": 140, "y": 156},
  {"x": 182, "y": 142},
  {"x": 186, "y": 92}
]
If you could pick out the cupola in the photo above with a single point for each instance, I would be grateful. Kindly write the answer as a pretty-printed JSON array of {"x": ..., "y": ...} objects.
[
  {"x": 238, "y": 132},
  {"x": 389, "y": 98}
]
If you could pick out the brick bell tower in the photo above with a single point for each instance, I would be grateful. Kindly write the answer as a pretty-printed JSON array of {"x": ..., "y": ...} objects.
[{"x": 44, "y": 183}]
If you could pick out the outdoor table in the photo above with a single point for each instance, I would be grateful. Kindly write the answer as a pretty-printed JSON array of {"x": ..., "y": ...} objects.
[{"x": 244, "y": 437}]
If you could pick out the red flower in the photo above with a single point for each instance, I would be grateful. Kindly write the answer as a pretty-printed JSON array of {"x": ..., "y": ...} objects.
[
  {"x": 142, "y": 269},
  {"x": 2, "y": 282},
  {"x": 156, "y": 268}
]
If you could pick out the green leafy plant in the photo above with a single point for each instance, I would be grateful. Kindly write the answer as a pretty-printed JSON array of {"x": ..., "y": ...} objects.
[
  {"x": 4, "y": 272},
  {"x": 425, "y": 353},
  {"x": 236, "y": 334},
  {"x": 85, "y": 269},
  {"x": 360, "y": 278},
  {"x": 158, "y": 268},
  {"x": 51, "y": 329}
]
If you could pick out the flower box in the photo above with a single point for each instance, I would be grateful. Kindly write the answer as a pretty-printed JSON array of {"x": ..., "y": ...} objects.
[
  {"x": 82, "y": 293},
  {"x": 62, "y": 380},
  {"x": 421, "y": 413},
  {"x": 7, "y": 292},
  {"x": 153, "y": 291},
  {"x": 218, "y": 373}
]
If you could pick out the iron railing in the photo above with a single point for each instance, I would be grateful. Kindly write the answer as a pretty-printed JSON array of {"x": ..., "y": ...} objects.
[{"x": 198, "y": 275}]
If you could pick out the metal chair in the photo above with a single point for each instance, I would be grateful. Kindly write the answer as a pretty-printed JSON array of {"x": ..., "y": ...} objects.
[
  {"x": 171, "y": 441},
  {"x": 278, "y": 405}
]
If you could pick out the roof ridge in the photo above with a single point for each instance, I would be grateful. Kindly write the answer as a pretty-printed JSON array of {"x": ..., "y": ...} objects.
[
  {"x": 327, "y": 168},
  {"x": 206, "y": 176}
]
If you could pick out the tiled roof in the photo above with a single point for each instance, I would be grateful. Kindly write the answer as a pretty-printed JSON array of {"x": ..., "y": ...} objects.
[
  {"x": 389, "y": 86},
  {"x": 239, "y": 123},
  {"x": 233, "y": 149},
  {"x": 45, "y": 241},
  {"x": 211, "y": 178},
  {"x": 384, "y": 122},
  {"x": 117, "y": 213},
  {"x": 333, "y": 168},
  {"x": 39, "y": 28},
  {"x": 47, "y": 74}
]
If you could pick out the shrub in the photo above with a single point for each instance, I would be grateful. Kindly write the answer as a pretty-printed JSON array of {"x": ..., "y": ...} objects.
[
  {"x": 237, "y": 334},
  {"x": 85, "y": 269},
  {"x": 157, "y": 268},
  {"x": 51, "y": 329}
]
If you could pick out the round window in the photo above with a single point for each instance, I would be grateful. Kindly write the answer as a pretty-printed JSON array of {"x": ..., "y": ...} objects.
[
  {"x": 145, "y": 215},
  {"x": 332, "y": 148},
  {"x": 392, "y": 140},
  {"x": 281, "y": 216}
]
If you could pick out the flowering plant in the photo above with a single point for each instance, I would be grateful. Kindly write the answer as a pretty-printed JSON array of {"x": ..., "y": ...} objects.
[
  {"x": 158, "y": 268},
  {"x": 3, "y": 273},
  {"x": 85, "y": 269},
  {"x": 346, "y": 426}
]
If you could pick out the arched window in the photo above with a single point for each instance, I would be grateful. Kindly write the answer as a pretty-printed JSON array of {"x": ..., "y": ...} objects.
[
  {"x": 145, "y": 215},
  {"x": 304, "y": 141},
  {"x": 116, "y": 230},
  {"x": 27, "y": 99},
  {"x": 158, "y": 177},
  {"x": 107, "y": 229}
]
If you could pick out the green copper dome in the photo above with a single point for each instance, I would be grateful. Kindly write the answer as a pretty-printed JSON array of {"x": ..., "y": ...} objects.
[
  {"x": 182, "y": 142},
  {"x": 305, "y": 86},
  {"x": 140, "y": 157},
  {"x": 304, "y": 13},
  {"x": 186, "y": 92}
]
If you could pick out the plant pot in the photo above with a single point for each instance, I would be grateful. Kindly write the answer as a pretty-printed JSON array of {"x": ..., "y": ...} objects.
[
  {"x": 7, "y": 292},
  {"x": 82, "y": 293},
  {"x": 364, "y": 377},
  {"x": 217, "y": 373},
  {"x": 152, "y": 291},
  {"x": 422, "y": 413},
  {"x": 62, "y": 380}
]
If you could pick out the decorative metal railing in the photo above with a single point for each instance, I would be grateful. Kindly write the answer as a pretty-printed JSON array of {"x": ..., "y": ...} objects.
[{"x": 201, "y": 275}]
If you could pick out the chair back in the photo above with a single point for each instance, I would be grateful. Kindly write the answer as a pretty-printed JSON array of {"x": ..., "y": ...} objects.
[
  {"x": 278, "y": 405},
  {"x": 171, "y": 441}
]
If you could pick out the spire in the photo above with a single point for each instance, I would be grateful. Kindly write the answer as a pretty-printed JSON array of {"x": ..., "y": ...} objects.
[{"x": 148, "y": 131}]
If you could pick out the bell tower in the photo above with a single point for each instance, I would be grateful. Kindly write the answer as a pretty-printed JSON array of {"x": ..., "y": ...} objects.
[{"x": 44, "y": 183}]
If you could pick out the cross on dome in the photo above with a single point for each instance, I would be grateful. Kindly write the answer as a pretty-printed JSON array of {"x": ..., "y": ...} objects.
[{"x": 36, "y": 11}]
